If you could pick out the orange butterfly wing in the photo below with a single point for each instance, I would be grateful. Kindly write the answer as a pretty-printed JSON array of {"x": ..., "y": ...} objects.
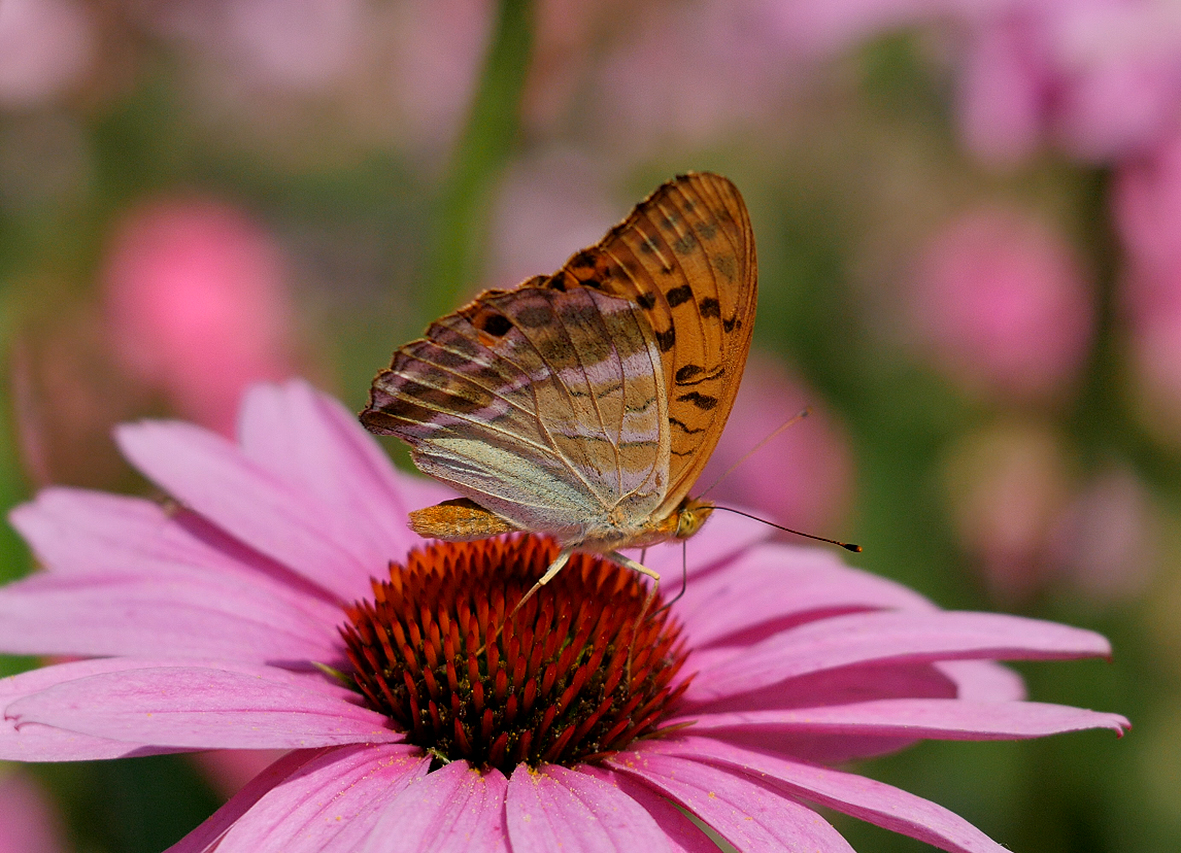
[{"x": 686, "y": 256}]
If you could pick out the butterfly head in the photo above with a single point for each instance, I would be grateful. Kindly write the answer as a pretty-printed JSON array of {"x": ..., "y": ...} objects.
[{"x": 689, "y": 516}]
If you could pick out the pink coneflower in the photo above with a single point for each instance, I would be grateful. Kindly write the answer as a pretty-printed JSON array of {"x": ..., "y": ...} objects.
[
  {"x": 280, "y": 602},
  {"x": 197, "y": 304}
]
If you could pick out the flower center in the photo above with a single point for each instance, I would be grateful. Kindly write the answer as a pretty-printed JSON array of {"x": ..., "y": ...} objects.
[{"x": 435, "y": 653}]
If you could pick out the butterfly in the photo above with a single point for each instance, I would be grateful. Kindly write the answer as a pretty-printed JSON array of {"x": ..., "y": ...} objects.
[{"x": 585, "y": 404}]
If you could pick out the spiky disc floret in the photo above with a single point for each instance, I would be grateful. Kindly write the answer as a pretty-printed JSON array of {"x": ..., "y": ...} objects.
[{"x": 555, "y": 685}]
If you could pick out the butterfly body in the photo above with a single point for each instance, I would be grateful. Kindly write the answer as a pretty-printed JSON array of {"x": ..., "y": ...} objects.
[{"x": 585, "y": 404}]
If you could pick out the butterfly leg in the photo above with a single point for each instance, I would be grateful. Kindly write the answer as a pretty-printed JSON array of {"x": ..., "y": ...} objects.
[
  {"x": 556, "y": 566},
  {"x": 629, "y": 563}
]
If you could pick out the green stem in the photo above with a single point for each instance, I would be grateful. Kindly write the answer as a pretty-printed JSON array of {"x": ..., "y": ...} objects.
[{"x": 480, "y": 156}]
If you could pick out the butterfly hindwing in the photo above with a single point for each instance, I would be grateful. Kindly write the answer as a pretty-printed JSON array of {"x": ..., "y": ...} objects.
[
  {"x": 686, "y": 256},
  {"x": 541, "y": 405}
]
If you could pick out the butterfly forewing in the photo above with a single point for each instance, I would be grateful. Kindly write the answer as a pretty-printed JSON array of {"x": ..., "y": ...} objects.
[
  {"x": 543, "y": 406},
  {"x": 686, "y": 256}
]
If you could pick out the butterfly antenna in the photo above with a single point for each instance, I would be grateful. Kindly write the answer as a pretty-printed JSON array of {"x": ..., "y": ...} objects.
[
  {"x": 794, "y": 419},
  {"x": 848, "y": 546}
]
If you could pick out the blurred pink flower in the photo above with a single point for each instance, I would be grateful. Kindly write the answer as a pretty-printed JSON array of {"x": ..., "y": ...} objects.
[
  {"x": 1147, "y": 201},
  {"x": 63, "y": 426},
  {"x": 1099, "y": 78},
  {"x": 1030, "y": 524},
  {"x": 1002, "y": 304},
  {"x": 197, "y": 303},
  {"x": 272, "y": 46},
  {"x": 1008, "y": 487},
  {"x": 1147, "y": 205},
  {"x": 46, "y": 46},
  {"x": 1105, "y": 543},
  {"x": 821, "y": 28},
  {"x": 546, "y": 205},
  {"x": 205, "y": 625},
  {"x": 687, "y": 75},
  {"x": 802, "y": 477},
  {"x": 296, "y": 44},
  {"x": 28, "y": 824},
  {"x": 1155, "y": 362},
  {"x": 435, "y": 59}
]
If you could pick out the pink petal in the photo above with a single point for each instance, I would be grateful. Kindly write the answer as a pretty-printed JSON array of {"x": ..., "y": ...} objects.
[
  {"x": 775, "y": 584},
  {"x": 455, "y": 809},
  {"x": 863, "y": 637},
  {"x": 330, "y": 804},
  {"x": 78, "y": 531},
  {"x": 945, "y": 719},
  {"x": 311, "y": 441},
  {"x": 860, "y": 683},
  {"x": 34, "y": 742},
  {"x": 684, "y": 836},
  {"x": 204, "y": 471},
  {"x": 858, "y": 796},
  {"x": 983, "y": 680},
  {"x": 559, "y": 808},
  {"x": 178, "y": 704},
  {"x": 205, "y": 837},
  {"x": 746, "y": 813},
  {"x": 175, "y": 614}
]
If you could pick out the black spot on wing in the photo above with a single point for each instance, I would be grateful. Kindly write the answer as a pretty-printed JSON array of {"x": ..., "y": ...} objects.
[
  {"x": 710, "y": 307},
  {"x": 679, "y": 295},
  {"x": 701, "y": 401},
  {"x": 691, "y": 374},
  {"x": 646, "y": 300},
  {"x": 666, "y": 340},
  {"x": 583, "y": 260},
  {"x": 685, "y": 429},
  {"x": 494, "y": 324}
]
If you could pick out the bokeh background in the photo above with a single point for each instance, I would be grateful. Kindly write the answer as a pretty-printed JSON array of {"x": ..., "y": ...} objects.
[{"x": 968, "y": 216}]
